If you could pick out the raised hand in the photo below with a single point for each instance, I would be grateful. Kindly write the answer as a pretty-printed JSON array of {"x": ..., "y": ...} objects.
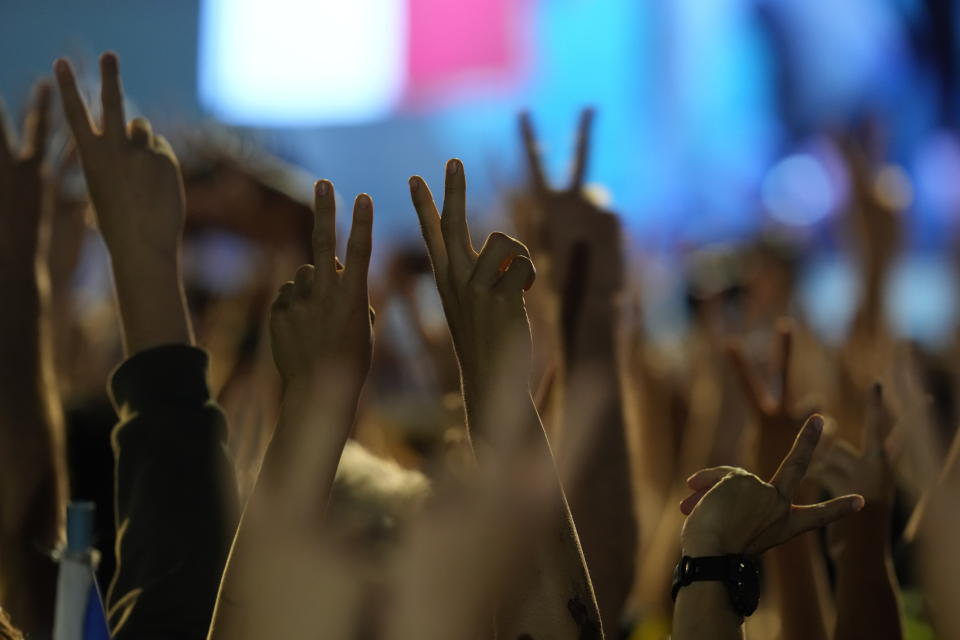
[
  {"x": 866, "y": 585},
  {"x": 482, "y": 293},
  {"x": 24, "y": 184},
  {"x": 796, "y": 568},
  {"x": 581, "y": 243},
  {"x": 321, "y": 319},
  {"x": 132, "y": 174},
  {"x": 842, "y": 468},
  {"x": 741, "y": 514},
  {"x": 137, "y": 193},
  {"x": 777, "y": 422},
  {"x": 322, "y": 338},
  {"x": 33, "y": 486}
]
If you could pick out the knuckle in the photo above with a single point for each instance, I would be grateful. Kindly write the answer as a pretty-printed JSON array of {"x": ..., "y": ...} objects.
[
  {"x": 305, "y": 270},
  {"x": 323, "y": 244},
  {"x": 358, "y": 247},
  {"x": 498, "y": 237},
  {"x": 519, "y": 248},
  {"x": 475, "y": 287}
]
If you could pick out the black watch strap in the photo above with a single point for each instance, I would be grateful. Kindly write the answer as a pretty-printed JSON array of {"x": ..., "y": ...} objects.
[{"x": 740, "y": 574}]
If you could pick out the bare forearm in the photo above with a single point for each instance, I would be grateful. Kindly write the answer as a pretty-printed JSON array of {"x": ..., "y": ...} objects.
[
  {"x": 315, "y": 420},
  {"x": 795, "y": 569},
  {"x": 703, "y": 611},
  {"x": 151, "y": 300},
  {"x": 33, "y": 493},
  {"x": 293, "y": 486},
  {"x": 866, "y": 593},
  {"x": 560, "y": 603},
  {"x": 594, "y": 442}
]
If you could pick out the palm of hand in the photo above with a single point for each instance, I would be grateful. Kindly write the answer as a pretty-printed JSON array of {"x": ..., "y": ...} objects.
[
  {"x": 578, "y": 238},
  {"x": 483, "y": 324},
  {"x": 301, "y": 328},
  {"x": 482, "y": 293},
  {"x": 868, "y": 471},
  {"x": 321, "y": 322}
]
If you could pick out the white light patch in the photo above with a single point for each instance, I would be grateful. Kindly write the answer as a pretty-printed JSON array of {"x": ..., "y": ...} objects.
[
  {"x": 302, "y": 62},
  {"x": 797, "y": 191}
]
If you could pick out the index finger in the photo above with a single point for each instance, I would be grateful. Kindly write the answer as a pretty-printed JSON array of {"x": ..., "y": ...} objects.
[
  {"x": 532, "y": 153},
  {"x": 429, "y": 218},
  {"x": 790, "y": 474},
  {"x": 453, "y": 220},
  {"x": 582, "y": 154},
  {"x": 111, "y": 96},
  {"x": 37, "y": 126},
  {"x": 324, "y": 230},
  {"x": 360, "y": 245},
  {"x": 74, "y": 107}
]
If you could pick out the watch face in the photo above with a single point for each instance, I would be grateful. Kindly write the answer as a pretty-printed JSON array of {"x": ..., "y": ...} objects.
[{"x": 744, "y": 584}]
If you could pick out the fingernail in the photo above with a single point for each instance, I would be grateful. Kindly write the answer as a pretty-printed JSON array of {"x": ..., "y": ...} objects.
[
  {"x": 414, "y": 184},
  {"x": 323, "y": 188},
  {"x": 816, "y": 423},
  {"x": 453, "y": 167},
  {"x": 363, "y": 201},
  {"x": 858, "y": 503}
]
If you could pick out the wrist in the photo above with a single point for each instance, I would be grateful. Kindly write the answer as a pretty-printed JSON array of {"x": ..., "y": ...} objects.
[
  {"x": 704, "y": 547},
  {"x": 323, "y": 388},
  {"x": 152, "y": 303}
]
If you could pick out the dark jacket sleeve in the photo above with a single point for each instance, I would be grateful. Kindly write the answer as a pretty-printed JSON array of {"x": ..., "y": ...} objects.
[{"x": 176, "y": 502}]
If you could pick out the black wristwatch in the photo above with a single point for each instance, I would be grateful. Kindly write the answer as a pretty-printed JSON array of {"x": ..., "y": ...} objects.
[{"x": 741, "y": 574}]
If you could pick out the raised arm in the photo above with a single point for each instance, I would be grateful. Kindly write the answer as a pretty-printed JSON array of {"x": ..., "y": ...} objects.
[
  {"x": 797, "y": 570},
  {"x": 584, "y": 274},
  {"x": 137, "y": 193},
  {"x": 482, "y": 296},
  {"x": 867, "y": 596},
  {"x": 175, "y": 493},
  {"x": 322, "y": 334},
  {"x": 33, "y": 487},
  {"x": 735, "y": 514}
]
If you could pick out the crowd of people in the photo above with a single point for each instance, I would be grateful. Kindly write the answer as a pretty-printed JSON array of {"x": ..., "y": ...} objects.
[{"x": 538, "y": 466}]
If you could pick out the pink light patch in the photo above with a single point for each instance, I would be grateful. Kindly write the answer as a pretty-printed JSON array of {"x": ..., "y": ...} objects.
[{"x": 463, "y": 45}]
